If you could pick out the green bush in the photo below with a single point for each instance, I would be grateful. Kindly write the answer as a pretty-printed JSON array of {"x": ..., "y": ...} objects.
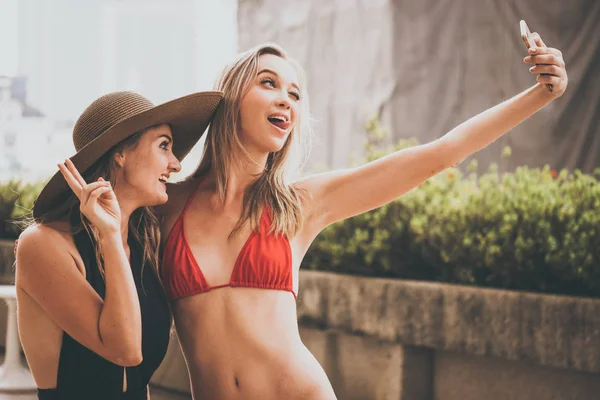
[
  {"x": 533, "y": 229},
  {"x": 16, "y": 202}
]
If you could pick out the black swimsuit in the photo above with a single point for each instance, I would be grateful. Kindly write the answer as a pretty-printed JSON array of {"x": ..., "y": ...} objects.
[{"x": 83, "y": 374}]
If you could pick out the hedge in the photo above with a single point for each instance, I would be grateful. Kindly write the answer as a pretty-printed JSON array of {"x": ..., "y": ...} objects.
[{"x": 533, "y": 229}]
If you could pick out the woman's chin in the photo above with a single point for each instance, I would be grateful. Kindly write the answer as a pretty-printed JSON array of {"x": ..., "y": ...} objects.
[
  {"x": 162, "y": 197},
  {"x": 276, "y": 144},
  {"x": 155, "y": 199}
]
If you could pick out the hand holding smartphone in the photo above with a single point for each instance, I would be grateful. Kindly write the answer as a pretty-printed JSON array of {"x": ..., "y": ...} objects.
[{"x": 529, "y": 42}]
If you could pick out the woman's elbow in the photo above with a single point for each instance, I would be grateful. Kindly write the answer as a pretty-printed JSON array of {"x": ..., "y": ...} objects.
[
  {"x": 129, "y": 358},
  {"x": 122, "y": 347},
  {"x": 125, "y": 353},
  {"x": 447, "y": 153}
]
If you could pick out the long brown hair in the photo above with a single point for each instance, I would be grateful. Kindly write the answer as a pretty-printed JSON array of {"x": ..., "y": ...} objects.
[
  {"x": 271, "y": 188},
  {"x": 143, "y": 224}
]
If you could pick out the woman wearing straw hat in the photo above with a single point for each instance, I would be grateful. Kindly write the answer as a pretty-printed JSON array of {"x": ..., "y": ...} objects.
[
  {"x": 236, "y": 232},
  {"x": 93, "y": 319}
]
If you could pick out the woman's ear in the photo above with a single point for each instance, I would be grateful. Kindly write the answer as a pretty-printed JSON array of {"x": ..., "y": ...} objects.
[{"x": 119, "y": 159}]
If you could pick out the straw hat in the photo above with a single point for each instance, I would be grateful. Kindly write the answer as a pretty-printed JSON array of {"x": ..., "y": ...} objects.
[{"x": 116, "y": 116}]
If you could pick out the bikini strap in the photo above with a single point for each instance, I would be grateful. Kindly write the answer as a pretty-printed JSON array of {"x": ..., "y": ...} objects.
[{"x": 191, "y": 198}]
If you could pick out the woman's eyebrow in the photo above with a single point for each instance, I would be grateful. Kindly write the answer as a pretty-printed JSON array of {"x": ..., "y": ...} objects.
[{"x": 266, "y": 70}]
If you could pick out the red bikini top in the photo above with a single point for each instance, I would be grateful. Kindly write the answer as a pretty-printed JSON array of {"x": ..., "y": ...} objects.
[{"x": 265, "y": 261}]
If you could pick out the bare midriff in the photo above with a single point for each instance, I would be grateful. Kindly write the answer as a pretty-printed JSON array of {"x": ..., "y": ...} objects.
[{"x": 244, "y": 343}]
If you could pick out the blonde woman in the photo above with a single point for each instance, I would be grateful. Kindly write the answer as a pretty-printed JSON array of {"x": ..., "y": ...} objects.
[
  {"x": 236, "y": 232},
  {"x": 92, "y": 315}
]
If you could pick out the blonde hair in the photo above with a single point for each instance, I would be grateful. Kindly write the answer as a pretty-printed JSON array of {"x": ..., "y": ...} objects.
[{"x": 270, "y": 189}]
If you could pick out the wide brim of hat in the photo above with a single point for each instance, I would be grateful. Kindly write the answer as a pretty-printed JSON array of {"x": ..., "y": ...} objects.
[{"x": 188, "y": 117}]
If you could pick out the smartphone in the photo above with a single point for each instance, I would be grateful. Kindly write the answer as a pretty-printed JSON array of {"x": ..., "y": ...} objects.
[
  {"x": 526, "y": 35},
  {"x": 529, "y": 42}
]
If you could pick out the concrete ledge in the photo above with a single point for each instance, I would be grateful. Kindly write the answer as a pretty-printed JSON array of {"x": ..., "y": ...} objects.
[{"x": 557, "y": 331}]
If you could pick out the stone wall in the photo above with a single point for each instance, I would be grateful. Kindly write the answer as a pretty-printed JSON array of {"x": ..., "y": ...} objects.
[
  {"x": 394, "y": 339},
  {"x": 365, "y": 368},
  {"x": 555, "y": 331}
]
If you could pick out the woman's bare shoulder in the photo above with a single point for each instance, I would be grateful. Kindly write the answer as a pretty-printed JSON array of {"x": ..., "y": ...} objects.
[
  {"x": 47, "y": 239},
  {"x": 47, "y": 232}
]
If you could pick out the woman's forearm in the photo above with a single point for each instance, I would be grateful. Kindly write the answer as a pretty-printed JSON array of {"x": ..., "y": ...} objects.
[
  {"x": 120, "y": 325},
  {"x": 484, "y": 128}
]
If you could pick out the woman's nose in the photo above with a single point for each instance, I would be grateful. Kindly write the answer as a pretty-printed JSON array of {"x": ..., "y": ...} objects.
[{"x": 174, "y": 165}]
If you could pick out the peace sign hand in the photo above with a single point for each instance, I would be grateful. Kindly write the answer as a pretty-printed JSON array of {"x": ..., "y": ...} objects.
[{"x": 98, "y": 201}]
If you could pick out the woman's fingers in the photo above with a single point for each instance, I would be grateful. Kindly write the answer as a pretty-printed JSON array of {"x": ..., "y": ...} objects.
[
  {"x": 544, "y": 50},
  {"x": 99, "y": 191},
  {"x": 73, "y": 183},
  {"x": 549, "y": 66},
  {"x": 98, "y": 201},
  {"x": 546, "y": 70},
  {"x": 74, "y": 171},
  {"x": 99, "y": 204},
  {"x": 549, "y": 79},
  {"x": 89, "y": 189},
  {"x": 538, "y": 40},
  {"x": 110, "y": 195},
  {"x": 76, "y": 182},
  {"x": 549, "y": 59}
]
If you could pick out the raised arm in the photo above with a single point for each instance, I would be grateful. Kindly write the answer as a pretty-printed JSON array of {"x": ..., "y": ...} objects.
[
  {"x": 341, "y": 194},
  {"x": 48, "y": 273}
]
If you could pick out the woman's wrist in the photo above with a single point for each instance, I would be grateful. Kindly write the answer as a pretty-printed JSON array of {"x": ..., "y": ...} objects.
[{"x": 110, "y": 240}]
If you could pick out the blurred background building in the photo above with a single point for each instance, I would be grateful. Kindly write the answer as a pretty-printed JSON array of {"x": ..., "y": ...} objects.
[{"x": 57, "y": 56}]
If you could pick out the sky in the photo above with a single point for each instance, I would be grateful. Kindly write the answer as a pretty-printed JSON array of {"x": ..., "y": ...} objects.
[
  {"x": 74, "y": 51},
  {"x": 8, "y": 34}
]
